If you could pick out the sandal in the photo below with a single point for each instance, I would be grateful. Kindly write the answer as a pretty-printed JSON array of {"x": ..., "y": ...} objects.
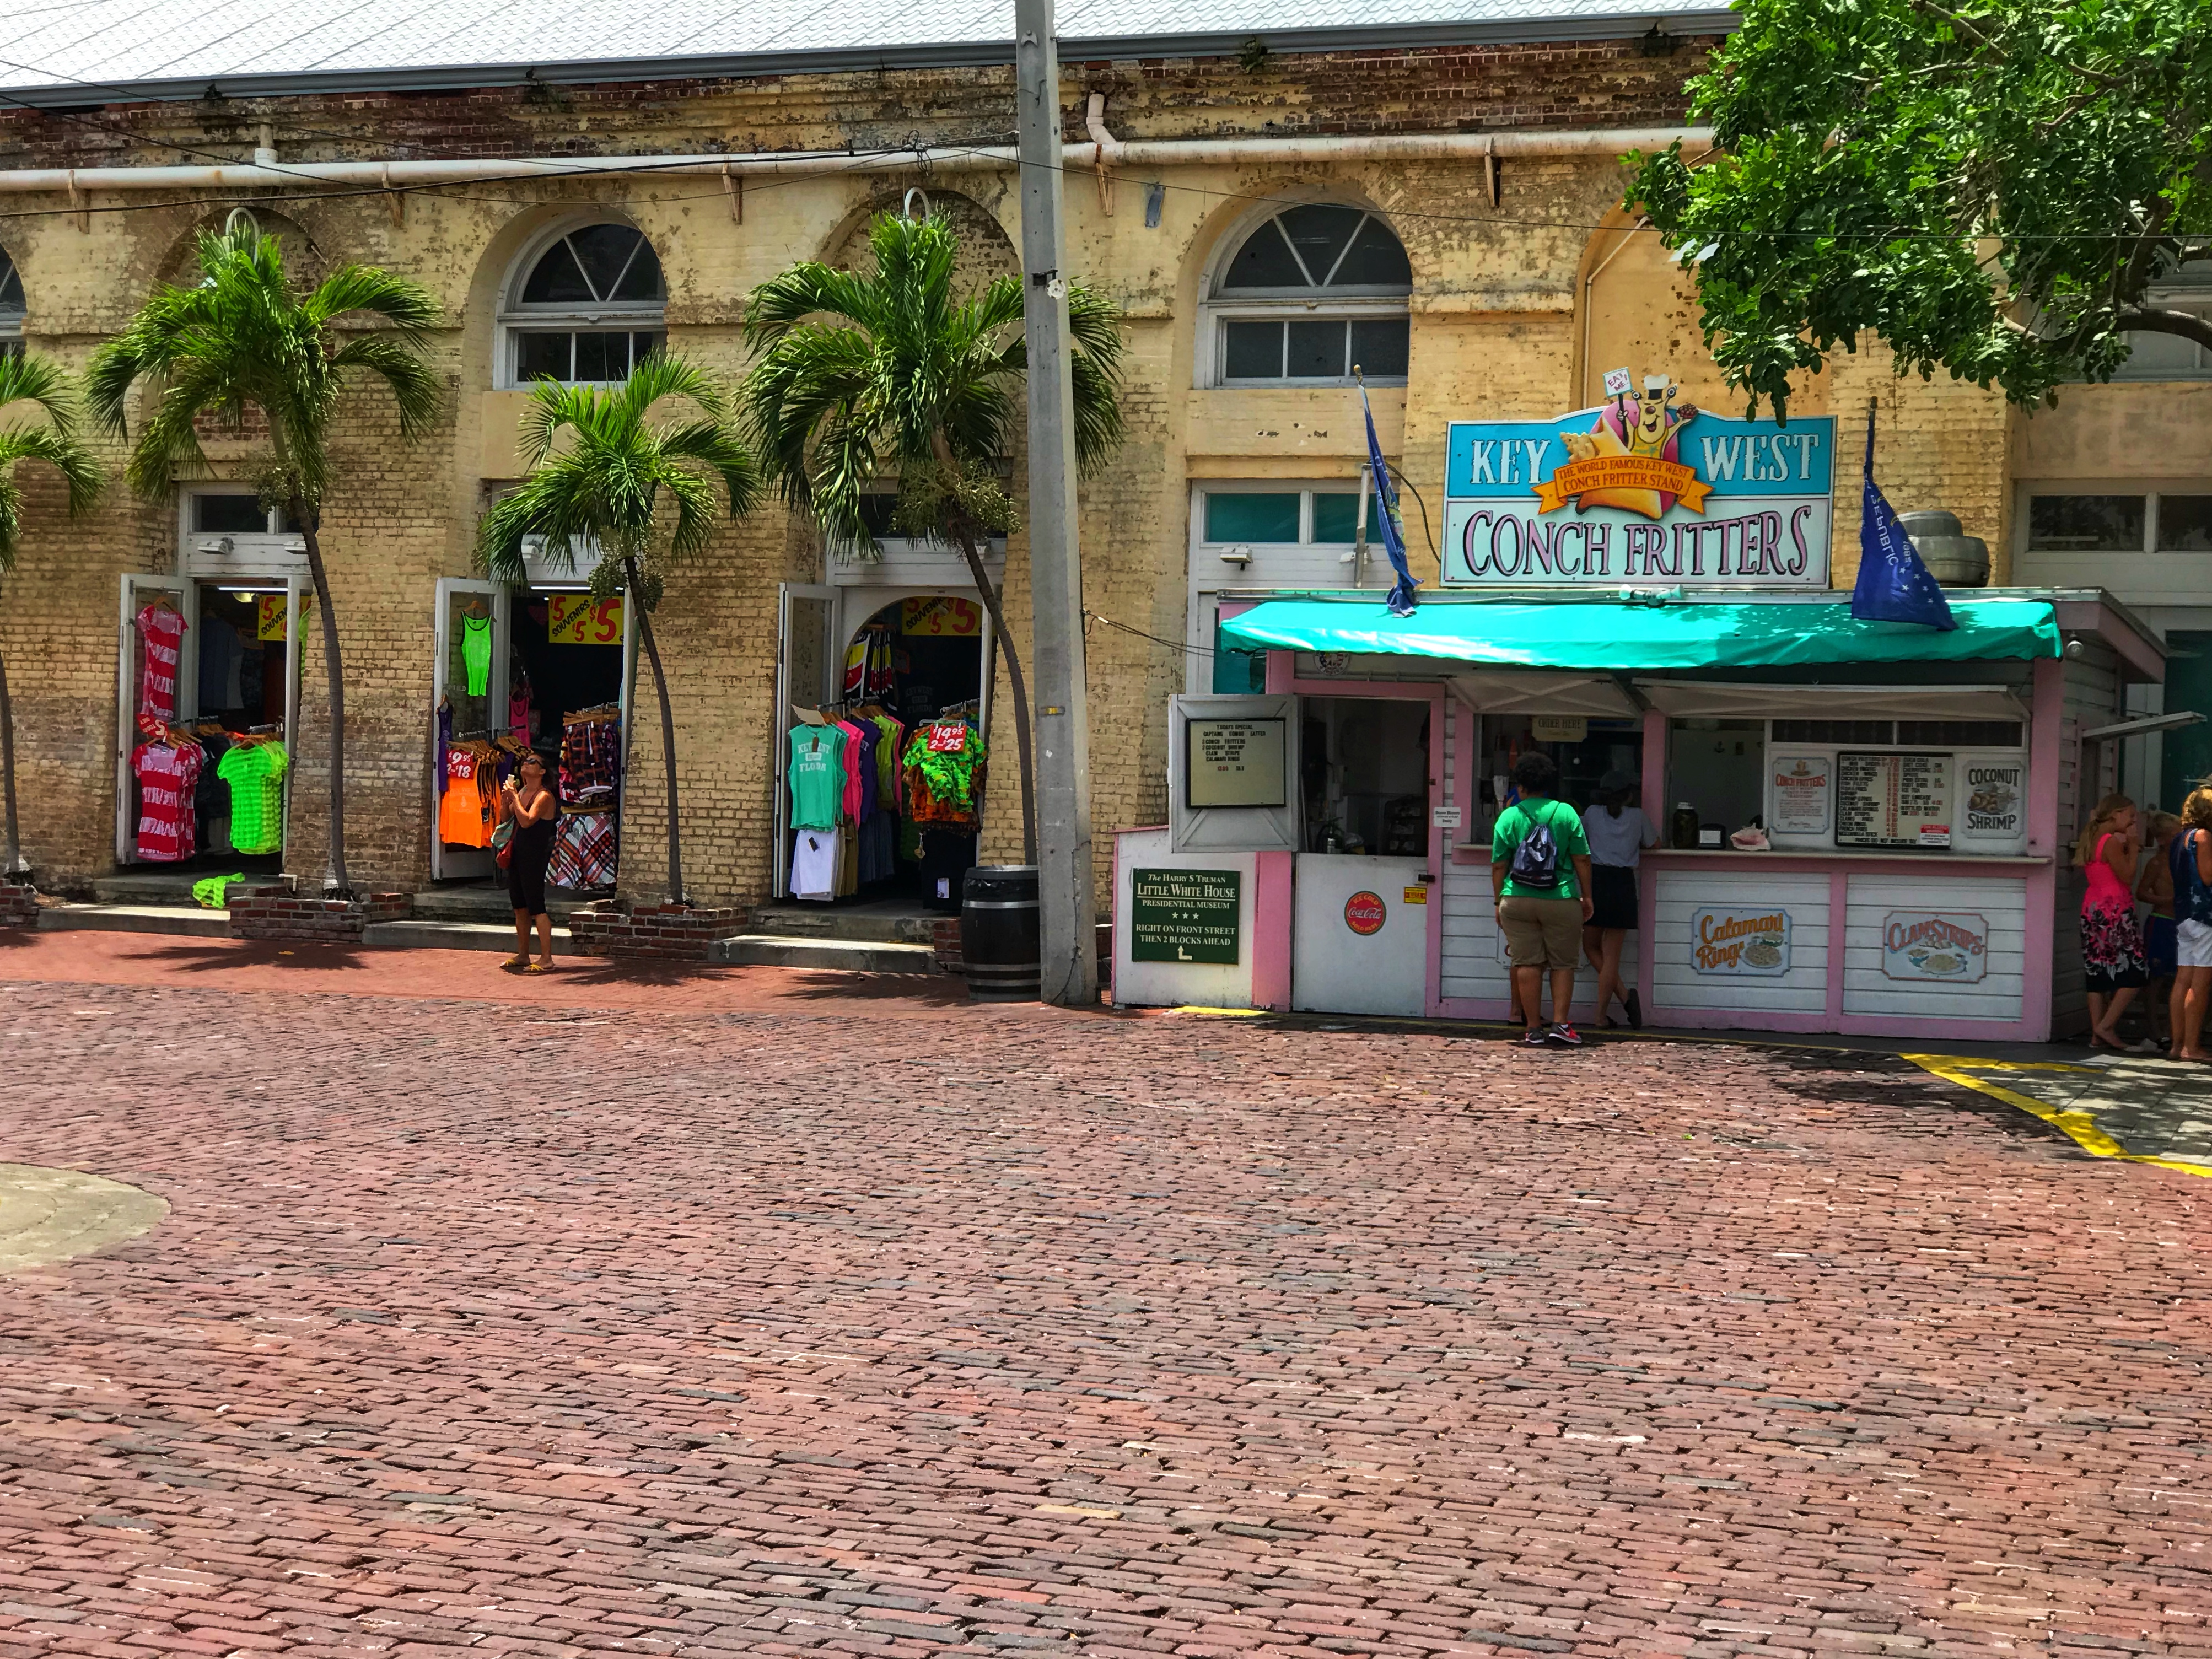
[
  {"x": 515, "y": 964},
  {"x": 539, "y": 968}
]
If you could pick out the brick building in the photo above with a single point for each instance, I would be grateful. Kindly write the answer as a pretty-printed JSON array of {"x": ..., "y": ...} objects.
[{"x": 573, "y": 197}]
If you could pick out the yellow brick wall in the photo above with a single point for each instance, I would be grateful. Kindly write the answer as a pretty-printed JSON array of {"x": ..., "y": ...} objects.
[{"x": 1500, "y": 330}]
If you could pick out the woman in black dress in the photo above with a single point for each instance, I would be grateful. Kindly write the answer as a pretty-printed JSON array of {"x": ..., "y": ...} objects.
[{"x": 531, "y": 808}]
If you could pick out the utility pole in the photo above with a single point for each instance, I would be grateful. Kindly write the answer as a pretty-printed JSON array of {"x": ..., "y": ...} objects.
[{"x": 1068, "y": 911}]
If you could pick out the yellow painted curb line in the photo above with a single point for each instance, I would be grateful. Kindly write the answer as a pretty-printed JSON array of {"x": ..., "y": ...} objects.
[{"x": 2081, "y": 1125}]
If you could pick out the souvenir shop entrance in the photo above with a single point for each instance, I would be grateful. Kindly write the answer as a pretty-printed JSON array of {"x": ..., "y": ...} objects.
[
  {"x": 883, "y": 720},
  {"x": 208, "y": 684},
  {"x": 545, "y": 667}
]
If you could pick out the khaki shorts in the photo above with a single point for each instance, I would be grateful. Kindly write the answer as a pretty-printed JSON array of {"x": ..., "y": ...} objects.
[{"x": 1542, "y": 932}]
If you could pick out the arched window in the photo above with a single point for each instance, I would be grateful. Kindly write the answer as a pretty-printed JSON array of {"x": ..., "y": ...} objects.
[
  {"x": 11, "y": 308},
  {"x": 1310, "y": 292},
  {"x": 584, "y": 308}
]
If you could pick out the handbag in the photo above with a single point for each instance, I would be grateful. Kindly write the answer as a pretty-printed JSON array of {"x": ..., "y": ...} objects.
[{"x": 502, "y": 842}]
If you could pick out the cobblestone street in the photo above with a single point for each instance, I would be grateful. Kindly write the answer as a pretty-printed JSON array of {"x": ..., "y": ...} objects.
[{"x": 753, "y": 1314}]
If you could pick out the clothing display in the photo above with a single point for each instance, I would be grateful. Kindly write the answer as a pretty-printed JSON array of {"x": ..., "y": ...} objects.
[
  {"x": 208, "y": 894},
  {"x": 591, "y": 757},
  {"x": 469, "y": 808},
  {"x": 255, "y": 770},
  {"x": 869, "y": 671},
  {"x": 943, "y": 778},
  {"x": 814, "y": 864},
  {"x": 817, "y": 776},
  {"x": 162, "y": 633},
  {"x": 519, "y": 715},
  {"x": 211, "y": 794},
  {"x": 476, "y": 654},
  {"x": 167, "y": 773},
  {"x": 584, "y": 850}
]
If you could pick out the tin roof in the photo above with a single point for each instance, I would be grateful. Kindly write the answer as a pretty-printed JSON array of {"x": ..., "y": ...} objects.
[{"x": 79, "y": 52}]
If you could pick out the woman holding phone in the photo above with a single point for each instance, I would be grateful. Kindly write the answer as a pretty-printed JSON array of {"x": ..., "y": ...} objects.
[{"x": 533, "y": 811}]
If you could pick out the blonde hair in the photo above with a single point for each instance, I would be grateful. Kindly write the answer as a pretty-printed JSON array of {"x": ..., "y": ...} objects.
[
  {"x": 2196, "y": 811},
  {"x": 2162, "y": 824},
  {"x": 2085, "y": 849}
]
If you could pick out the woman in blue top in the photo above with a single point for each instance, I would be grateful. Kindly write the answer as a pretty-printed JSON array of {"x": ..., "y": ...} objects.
[{"x": 2192, "y": 856}]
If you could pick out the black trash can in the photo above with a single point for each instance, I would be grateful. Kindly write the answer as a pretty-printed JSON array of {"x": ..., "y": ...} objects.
[{"x": 1000, "y": 945}]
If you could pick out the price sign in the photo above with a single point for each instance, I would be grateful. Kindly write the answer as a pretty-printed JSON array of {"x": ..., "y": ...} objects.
[
  {"x": 940, "y": 616},
  {"x": 579, "y": 619},
  {"x": 947, "y": 736},
  {"x": 270, "y": 617},
  {"x": 1892, "y": 799}
]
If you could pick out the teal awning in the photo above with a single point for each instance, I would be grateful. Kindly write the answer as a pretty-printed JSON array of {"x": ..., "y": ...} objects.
[{"x": 1613, "y": 636}]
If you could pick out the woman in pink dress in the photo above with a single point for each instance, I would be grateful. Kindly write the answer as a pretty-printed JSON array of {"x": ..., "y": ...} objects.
[{"x": 2113, "y": 963}]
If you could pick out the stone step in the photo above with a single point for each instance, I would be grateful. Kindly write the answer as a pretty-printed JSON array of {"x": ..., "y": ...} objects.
[
  {"x": 421, "y": 935},
  {"x": 480, "y": 904},
  {"x": 192, "y": 923},
  {"x": 833, "y": 956},
  {"x": 887, "y": 924}
]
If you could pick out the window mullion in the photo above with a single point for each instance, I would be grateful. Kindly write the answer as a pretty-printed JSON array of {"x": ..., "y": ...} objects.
[
  {"x": 1297, "y": 257},
  {"x": 1345, "y": 252}
]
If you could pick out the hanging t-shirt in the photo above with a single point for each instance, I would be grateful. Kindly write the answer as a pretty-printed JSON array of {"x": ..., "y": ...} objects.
[
  {"x": 887, "y": 762},
  {"x": 817, "y": 776},
  {"x": 162, "y": 631},
  {"x": 462, "y": 819},
  {"x": 165, "y": 781},
  {"x": 814, "y": 861},
  {"x": 255, "y": 772},
  {"x": 476, "y": 654},
  {"x": 945, "y": 765}
]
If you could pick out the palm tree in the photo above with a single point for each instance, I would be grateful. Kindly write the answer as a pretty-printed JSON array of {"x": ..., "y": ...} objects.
[
  {"x": 862, "y": 373},
  {"x": 25, "y": 378},
  {"x": 639, "y": 494},
  {"x": 243, "y": 340}
]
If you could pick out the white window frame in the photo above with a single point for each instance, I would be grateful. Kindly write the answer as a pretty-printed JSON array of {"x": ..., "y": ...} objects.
[
  {"x": 515, "y": 318},
  {"x": 214, "y": 555},
  {"x": 2192, "y": 293},
  {"x": 11, "y": 321},
  {"x": 2150, "y": 490},
  {"x": 1301, "y": 305},
  {"x": 1217, "y": 568}
]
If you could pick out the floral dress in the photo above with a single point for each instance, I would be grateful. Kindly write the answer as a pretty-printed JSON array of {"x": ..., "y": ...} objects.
[{"x": 2111, "y": 945}]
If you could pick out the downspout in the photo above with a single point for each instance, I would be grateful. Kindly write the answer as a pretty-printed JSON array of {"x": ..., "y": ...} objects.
[
  {"x": 1108, "y": 150},
  {"x": 1610, "y": 142}
]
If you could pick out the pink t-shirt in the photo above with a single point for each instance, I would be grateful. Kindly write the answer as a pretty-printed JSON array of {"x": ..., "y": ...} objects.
[
  {"x": 167, "y": 777},
  {"x": 163, "y": 631}
]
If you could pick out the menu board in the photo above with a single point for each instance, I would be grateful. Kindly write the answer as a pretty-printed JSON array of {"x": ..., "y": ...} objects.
[
  {"x": 1235, "y": 762},
  {"x": 1892, "y": 799}
]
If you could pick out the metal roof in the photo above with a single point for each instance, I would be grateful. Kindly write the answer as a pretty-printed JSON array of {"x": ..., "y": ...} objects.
[{"x": 82, "y": 52}]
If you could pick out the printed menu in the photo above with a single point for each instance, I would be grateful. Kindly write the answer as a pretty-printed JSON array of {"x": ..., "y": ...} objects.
[{"x": 1892, "y": 799}]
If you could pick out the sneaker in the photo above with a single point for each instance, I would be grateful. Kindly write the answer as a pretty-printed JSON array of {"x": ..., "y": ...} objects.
[
  {"x": 1536, "y": 1037},
  {"x": 1564, "y": 1036}
]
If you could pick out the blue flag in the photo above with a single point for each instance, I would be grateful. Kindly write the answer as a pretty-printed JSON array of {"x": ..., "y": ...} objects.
[
  {"x": 1894, "y": 586},
  {"x": 1393, "y": 529}
]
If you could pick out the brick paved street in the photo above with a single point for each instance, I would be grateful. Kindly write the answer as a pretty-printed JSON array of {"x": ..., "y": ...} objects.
[{"x": 741, "y": 1314}]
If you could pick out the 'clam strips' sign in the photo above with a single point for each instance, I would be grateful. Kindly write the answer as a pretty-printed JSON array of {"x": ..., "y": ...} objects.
[
  {"x": 1930, "y": 944},
  {"x": 1733, "y": 940}
]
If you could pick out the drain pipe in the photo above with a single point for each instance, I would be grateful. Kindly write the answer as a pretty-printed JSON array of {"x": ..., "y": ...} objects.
[
  {"x": 1609, "y": 142},
  {"x": 1107, "y": 151}
]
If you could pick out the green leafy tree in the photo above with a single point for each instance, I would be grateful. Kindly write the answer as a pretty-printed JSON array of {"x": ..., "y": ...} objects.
[
  {"x": 25, "y": 378},
  {"x": 635, "y": 493},
  {"x": 1996, "y": 188},
  {"x": 863, "y": 374},
  {"x": 244, "y": 339}
]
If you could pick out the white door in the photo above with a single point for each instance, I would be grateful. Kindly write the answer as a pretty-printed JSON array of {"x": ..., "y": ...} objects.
[
  {"x": 138, "y": 593},
  {"x": 1359, "y": 945},
  {"x": 806, "y": 663},
  {"x": 479, "y": 706}
]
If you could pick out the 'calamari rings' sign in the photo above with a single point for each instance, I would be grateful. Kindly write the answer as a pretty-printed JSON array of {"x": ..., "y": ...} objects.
[{"x": 1645, "y": 488}]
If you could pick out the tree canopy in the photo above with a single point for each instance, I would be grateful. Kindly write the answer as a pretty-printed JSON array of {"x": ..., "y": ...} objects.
[{"x": 1997, "y": 188}]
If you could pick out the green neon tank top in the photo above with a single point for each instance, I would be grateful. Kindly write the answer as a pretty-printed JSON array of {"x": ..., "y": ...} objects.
[{"x": 476, "y": 653}]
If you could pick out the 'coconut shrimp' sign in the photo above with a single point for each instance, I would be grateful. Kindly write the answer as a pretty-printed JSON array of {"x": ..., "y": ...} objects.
[{"x": 1644, "y": 489}]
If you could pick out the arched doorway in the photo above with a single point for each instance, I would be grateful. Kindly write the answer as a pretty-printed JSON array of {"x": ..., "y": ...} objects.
[{"x": 865, "y": 675}]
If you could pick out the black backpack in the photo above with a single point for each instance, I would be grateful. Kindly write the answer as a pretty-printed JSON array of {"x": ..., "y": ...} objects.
[{"x": 1536, "y": 859}]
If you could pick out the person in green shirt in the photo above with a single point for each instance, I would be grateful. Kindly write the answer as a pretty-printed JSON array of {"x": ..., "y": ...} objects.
[{"x": 1539, "y": 869}]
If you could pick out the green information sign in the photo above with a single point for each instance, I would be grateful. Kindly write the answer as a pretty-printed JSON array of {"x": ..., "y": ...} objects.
[{"x": 1185, "y": 916}]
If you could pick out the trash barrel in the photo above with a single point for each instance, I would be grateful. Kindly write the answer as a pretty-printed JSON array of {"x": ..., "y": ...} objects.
[{"x": 1000, "y": 942}]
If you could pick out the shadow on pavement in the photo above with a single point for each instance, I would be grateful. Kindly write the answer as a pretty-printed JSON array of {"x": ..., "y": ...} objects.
[{"x": 206, "y": 955}]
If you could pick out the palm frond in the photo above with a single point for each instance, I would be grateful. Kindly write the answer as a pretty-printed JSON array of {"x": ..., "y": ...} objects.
[
  {"x": 410, "y": 308},
  {"x": 416, "y": 388},
  {"x": 33, "y": 377},
  {"x": 663, "y": 376},
  {"x": 810, "y": 289}
]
